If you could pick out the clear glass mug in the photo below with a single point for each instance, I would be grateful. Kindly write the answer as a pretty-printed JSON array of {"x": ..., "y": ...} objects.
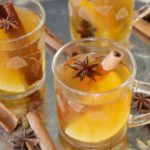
[
  {"x": 22, "y": 57},
  {"x": 110, "y": 19},
  {"x": 96, "y": 120}
]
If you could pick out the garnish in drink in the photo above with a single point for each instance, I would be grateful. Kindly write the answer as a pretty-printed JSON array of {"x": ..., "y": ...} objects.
[
  {"x": 93, "y": 118},
  {"x": 84, "y": 69}
]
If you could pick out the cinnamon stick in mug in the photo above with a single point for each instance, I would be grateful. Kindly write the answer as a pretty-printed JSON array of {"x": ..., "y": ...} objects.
[
  {"x": 111, "y": 61},
  {"x": 37, "y": 126}
]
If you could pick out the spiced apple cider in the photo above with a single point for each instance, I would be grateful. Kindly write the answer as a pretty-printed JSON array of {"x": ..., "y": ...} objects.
[
  {"x": 110, "y": 19},
  {"x": 92, "y": 115},
  {"x": 21, "y": 48}
]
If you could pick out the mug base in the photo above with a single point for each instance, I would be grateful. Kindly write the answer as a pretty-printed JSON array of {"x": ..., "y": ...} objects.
[{"x": 103, "y": 145}]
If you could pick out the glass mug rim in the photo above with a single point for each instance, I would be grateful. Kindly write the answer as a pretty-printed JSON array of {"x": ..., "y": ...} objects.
[
  {"x": 41, "y": 23},
  {"x": 95, "y": 94}
]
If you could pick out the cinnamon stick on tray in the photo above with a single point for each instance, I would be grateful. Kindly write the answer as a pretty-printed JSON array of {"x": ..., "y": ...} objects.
[
  {"x": 52, "y": 40},
  {"x": 56, "y": 43},
  {"x": 8, "y": 121},
  {"x": 37, "y": 126}
]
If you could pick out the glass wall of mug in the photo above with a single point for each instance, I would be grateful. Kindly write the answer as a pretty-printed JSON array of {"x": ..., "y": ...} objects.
[
  {"x": 110, "y": 19},
  {"x": 93, "y": 111},
  {"x": 65, "y": 145},
  {"x": 22, "y": 52}
]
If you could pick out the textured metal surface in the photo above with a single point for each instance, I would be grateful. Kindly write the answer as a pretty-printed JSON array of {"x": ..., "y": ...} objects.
[{"x": 58, "y": 21}]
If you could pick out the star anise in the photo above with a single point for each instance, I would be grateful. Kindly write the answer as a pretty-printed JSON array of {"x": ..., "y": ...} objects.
[
  {"x": 27, "y": 140},
  {"x": 84, "y": 69},
  {"x": 86, "y": 29},
  {"x": 8, "y": 23},
  {"x": 141, "y": 102}
]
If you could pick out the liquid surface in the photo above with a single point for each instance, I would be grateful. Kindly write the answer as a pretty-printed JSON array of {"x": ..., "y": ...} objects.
[{"x": 101, "y": 83}]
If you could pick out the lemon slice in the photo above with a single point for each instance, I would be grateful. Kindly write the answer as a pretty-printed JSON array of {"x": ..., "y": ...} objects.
[
  {"x": 105, "y": 83},
  {"x": 12, "y": 88},
  {"x": 98, "y": 126},
  {"x": 11, "y": 80},
  {"x": 95, "y": 127},
  {"x": 108, "y": 82}
]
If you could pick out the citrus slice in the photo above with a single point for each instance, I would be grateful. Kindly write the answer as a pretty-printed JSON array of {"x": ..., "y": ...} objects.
[
  {"x": 11, "y": 80},
  {"x": 101, "y": 124},
  {"x": 95, "y": 127},
  {"x": 103, "y": 84},
  {"x": 110, "y": 81}
]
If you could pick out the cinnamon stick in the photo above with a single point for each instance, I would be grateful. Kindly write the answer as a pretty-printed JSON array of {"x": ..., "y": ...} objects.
[
  {"x": 56, "y": 43},
  {"x": 10, "y": 11},
  {"x": 37, "y": 126},
  {"x": 143, "y": 26},
  {"x": 141, "y": 36},
  {"x": 52, "y": 40},
  {"x": 111, "y": 60},
  {"x": 8, "y": 121},
  {"x": 2, "y": 12}
]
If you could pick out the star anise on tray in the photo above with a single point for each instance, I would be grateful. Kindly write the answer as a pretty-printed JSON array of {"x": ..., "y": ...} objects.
[
  {"x": 8, "y": 23},
  {"x": 84, "y": 69},
  {"x": 141, "y": 102},
  {"x": 86, "y": 29},
  {"x": 27, "y": 140}
]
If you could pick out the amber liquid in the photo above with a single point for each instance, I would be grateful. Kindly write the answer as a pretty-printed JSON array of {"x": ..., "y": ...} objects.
[
  {"x": 22, "y": 62},
  {"x": 110, "y": 19},
  {"x": 88, "y": 118}
]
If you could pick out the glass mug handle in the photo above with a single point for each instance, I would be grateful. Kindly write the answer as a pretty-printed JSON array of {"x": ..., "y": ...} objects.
[
  {"x": 143, "y": 119},
  {"x": 141, "y": 12}
]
